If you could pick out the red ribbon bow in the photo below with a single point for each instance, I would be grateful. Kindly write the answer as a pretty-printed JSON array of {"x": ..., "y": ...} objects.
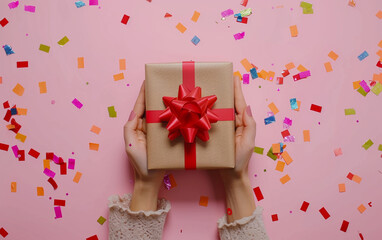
[{"x": 189, "y": 114}]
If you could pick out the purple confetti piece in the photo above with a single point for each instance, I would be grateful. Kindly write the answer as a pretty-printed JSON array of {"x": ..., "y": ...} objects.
[
  {"x": 364, "y": 86},
  {"x": 15, "y": 150},
  {"x": 287, "y": 123},
  {"x": 71, "y": 163},
  {"x": 93, "y": 2},
  {"x": 289, "y": 138},
  {"x": 13, "y": 5},
  {"x": 49, "y": 173},
  {"x": 269, "y": 114},
  {"x": 227, "y": 13},
  {"x": 29, "y": 8},
  {"x": 238, "y": 36},
  {"x": 57, "y": 211},
  {"x": 166, "y": 181},
  {"x": 304, "y": 74},
  {"x": 77, "y": 103},
  {"x": 246, "y": 78}
]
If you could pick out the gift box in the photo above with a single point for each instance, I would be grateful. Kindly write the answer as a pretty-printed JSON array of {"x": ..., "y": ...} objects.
[{"x": 190, "y": 115}]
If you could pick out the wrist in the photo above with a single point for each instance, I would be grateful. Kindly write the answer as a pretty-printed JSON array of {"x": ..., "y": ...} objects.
[{"x": 145, "y": 196}]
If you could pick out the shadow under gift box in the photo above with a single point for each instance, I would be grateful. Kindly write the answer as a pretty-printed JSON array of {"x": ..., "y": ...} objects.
[{"x": 214, "y": 78}]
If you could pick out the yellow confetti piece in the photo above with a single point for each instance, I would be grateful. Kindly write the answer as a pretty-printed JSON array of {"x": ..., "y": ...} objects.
[
  {"x": 18, "y": 89},
  {"x": 77, "y": 177},
  {"x": 195, "y": 17},
  {"x": 333, "y": 55},
  {"x": 181, "y": 28},
  {"x": 118, "y": 76},
  {"x": 80, "y": 62},
  {"x": 93, "y": 146},
  {"x": 122, "y": 64},
  {"x": 13, "y": 187},
  {"x": 285, "y": 179},
  {"x": 42, "y": 86},
  {"x": 20, "y": 137}
]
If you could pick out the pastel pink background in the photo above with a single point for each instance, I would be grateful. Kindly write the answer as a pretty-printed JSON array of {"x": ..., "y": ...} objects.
[{"x": 96, "y": 34}]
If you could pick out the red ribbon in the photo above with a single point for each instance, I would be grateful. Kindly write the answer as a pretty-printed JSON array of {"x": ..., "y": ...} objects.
[{"x": 189, "y": 114}]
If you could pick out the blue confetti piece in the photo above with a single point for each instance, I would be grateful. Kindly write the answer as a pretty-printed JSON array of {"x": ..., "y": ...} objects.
[
  {"x": 281, "y": 147},
  {"x": 79, "y": 4},
  {"x": 254, "y": 73},
  {"x": 269, "y": 120},
  {"x": 195, "y": 40},
  {"x": 8, "y": 50},
  {"x": 293, "y": 103},
  {"x": 239, "y": 18},
  {"x": 363, "y": 55},
  {"x": 13, "y": 111},
  {"x": 237, "y": 15}
]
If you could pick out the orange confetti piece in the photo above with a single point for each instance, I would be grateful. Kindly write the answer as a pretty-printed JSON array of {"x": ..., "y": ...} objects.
[
  {"x": 13, "y": 187},
  {"x": 181, "y": 28},
  {"x": 271, "y": 75},
  {"x": 118, "y": 76},
  {"x": 328, "y": 67},
  {"x": 285, "y": 155},
  {"x": 290, "y": 66},
  {"x": 122, "y": 64},
  {"x": 377, "y": 77},
  {"x": 18, "y": 89},
  {"x": 246, "y": 64},
  {"x": 95, "y": 129},
  {"x": 285, "y": 179},
  {"x": 237, "y": 73},
  {"x": 20, "y": 137},
  {"x": 195, "y": 17},
  {"x": 40, "y": 191},
  {"x": 10, "y": 126},
  {"x": 273, "y": 108},
  {"x": 263, "y": 74},
  {"x": 379, "y": 53},
  {"x": 379, "y": 14},
  {"x": 280, "y": 166},
  {"x": 80, "y": 62},
  {"x": 46, "y": 163},
  {"x": 1, "y": 80},
  {"x": 357, "y": 179},
  {"x": 172, "y": 181},
  {"x": 77, "y": 177},
  {"x": 203, "y": 201},
  {"x": 276, "y": 148},
  {"x": 333, "y": 55},
  {"x": 379, "y": 45},
  {"x": 22, "y": 111},
  {"x": 301, "y": 68},
  {"x": 93, "y": 146},
  {"x": 341, "y": 187},
  {"x": 42, "y": 86},
  {"x": 293, "y": 31},
  {"x": 298, "y": 106},
  {"x": 361, "y": 208},
  {"x": 356, "y": 85},
  {"x": 306, "y": 134}
]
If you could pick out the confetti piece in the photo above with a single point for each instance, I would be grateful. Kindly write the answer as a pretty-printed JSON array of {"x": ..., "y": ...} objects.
[
  {"x": 15, "y": 150},
  {"x": 4, "y": 22},
  {"x": 13, "y": 5},
  {"x": 293, "y": 103},
  {"x": 341, "y": 187},
  {"x": 357, "y": 179},
  {"x": 258, "y": 150},
  {"x": 304, "y": 206},
  {"x": 80, "y": 62},
  {"x": 351, "y": 3},
  {"x": 229, "y": 211},
  {"x": 302, "y": 75},
  {"x": 239, "y": 36},
  {"x": 101, "y": 220},
  {"x": 306, "y": 134},
  {"x": 59, "y": 202},
  {"x": 20, "y": 137},
  {"x": 80, "y": 4},
  {"x": 344, "y": 226},
  {"x": 380, "y": 44},
  {"x": 57, "y": 211},
  {"x": 367, "y": 144},
  {"x": 244, "y": 3},
  {"x": 167, "y": 15},
  {"x": 93, "y": 146},
  {"x": 95, "y": 129},
  {"x": 195, "y": 40},
  {"x": 63, "y": 41},
  {"x": 328, "y": 67},
  {"x": 63, "y": 168},
  {"x": 279, "y": 80},
  {"x": 118, "y": 76},
  {"x": 289, "y": 66},
  {"x": 53, "y": 183},
  {"x": 276, "y": 148},
  {"x": 77, "y": 103},
  {"x": 77, "y": 177},
  {"x": 71, "y": 163},
  {"x": 379, "y": 147},
  {"x": 246, "y": 64},
  {"x": 42, "y": 86},
  {"x": 49, "y": 173},
  {"x": 363, "y": 55},
  {"x": 195, "y": 17},
  {"x": 324, "y": 213},
  {"x": 46, "y": 163},
  {"x": 166, "y": 181},
  {"x": 293, "y": 31},
  {"x": 362, "y": 91},
  {"x": 3, "y": 233},
  {"x": 274, "y": 218},
  {"x": 172, "y": 181},
  {"x": 350, "y": 176},
  {"x": 29, "y": 8},
  {"x": 285, "y": 72},
  {"x": 92, "y": 238},
  {"x": 227, "y": 13},
  {"x": 287, "y": 123},
  {"x": 22, "y": 111},
  {"x": 22, "y": 64},
  {"x": 269, "y": 120},
  {"x": 377, "y": 89},
  {"x": 33, "y": 153},
  {"x": 40, "y": 191},
  {"x": 203, "y": 201},
  {"x": 364, "y": 85},
  {"x": 361, "y": 208},
  {"x": 337, "y": 152},
  {"x": 349, "y": 111},
  {"x": 238, "y": 74},
  {"x": 112, "y": 112},
  {"x": 93, "y": 2},
  {"x": 245, "y": 78},
  {"x": 21, "y": 155},
  {"x": 246, "y": 12},
  {"x": 254, "y": 73},
  {"x": 122, "y": 64},
  {"x": 280, "y": 166},
  {"x": 44, "y": 48},
  {"x": 13, "y": 187},
  {"x": 273, "y": 108},
  {"x": 4, "y": 147},
  {"x": 315, "y": 108},
  {"x": 285, "y": 179},
  {"x": 333, "y": 55},
  {"x": 125, "y": 19},
  {"x": 379, "y": 14},
  {"x": 8, "y": 50},
  {"x": 298, "y": 105},
  {"x": 258, "y": 193},
  {"x": 285, "y": 155},
  {"x": 181, "y": 28}
]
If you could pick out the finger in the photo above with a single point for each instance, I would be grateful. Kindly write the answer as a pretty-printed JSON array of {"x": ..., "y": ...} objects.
[
  {"x": 249, "y": 131},
  {"x": 139, "y": 107},
  {"x": 239, "y": 97}
]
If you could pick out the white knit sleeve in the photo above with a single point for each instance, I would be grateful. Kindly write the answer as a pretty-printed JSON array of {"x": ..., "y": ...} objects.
[{"x": 126, "y": 224}]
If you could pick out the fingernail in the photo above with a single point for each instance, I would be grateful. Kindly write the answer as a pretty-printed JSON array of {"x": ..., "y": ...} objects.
[
  {"x": 249, "y": 111},
  {"x": 132, "y": 115}
]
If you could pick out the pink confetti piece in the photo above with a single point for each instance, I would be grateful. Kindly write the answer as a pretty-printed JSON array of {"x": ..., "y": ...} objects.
[
  {"x": 289, "y": 138},
  {"x": 246, "y": 78},
  {"x": 93, "y": 2},
  {"x": 364, "y": 86},
  {"x": 15, "y": 150},
  {"x": 49, "y": 173},
  {"x": 227, "y": 13},
  {"x": 77, "y": 103},
  {"x": 304, "y": 74},
  {"x": 166, "y": 181},
  {"x": 287, "y": 123},
  {"x": 337, "y": 152},
  {"x": 270, "y": 114},
  {"x": 57, "y": 211},
  {"x": 71, "y": 163},
  {"x": 238, "y": 36},
  {"x": 56, "y": 159},
  {"x": 13, "y": 5},
  {"x": 29, "y": 8}
]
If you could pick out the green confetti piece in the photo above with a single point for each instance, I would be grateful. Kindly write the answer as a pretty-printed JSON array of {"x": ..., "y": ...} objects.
[
  {"x": 44, "y": 48},
  {"x": 258, "y": 150},
  {"x": 271, "y": 155},
  {"x": 362, "y": 91},
  {"x": 112, "y": 112},
  {"x": 349, "y": 111},
  {"x": 307, "y": 11},
  {"x": 377, "y": 89},
  {"x": 246, "y": 12},
  {"x": 306, "y": 5},
  {"x": 101, "y": 220},
  {"x": 380, "y": 147},
  {"x": 367, "y": 144},
  {"x": 63, "y": 41}
]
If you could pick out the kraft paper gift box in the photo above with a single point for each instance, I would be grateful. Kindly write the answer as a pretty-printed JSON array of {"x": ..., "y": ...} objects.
[{"x": 190, "y": 115}]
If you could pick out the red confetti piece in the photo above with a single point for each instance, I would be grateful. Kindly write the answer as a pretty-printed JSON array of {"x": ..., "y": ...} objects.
[
  {"x": 167, "y": 15},
  {"x": 296, "y": 77},
  {"x": 63, "y": 168},
  {"x": 22, "y": 64},
  {"x": 379, "y": 64},
  {"x": 361, "y": 236},
  {"x": 243, "y": 20},
  {"x": 280, "y": 80},
  {"x": 49, "y": 155},
  {"x": 17, "y": 126},
  {"x": 53, "y": 183},
  {"x": 8, "y": 115},
  {"x": 229, "y": 211},
  {"x": 258, "y": 193},
  {"x": 275, "y": 218},
  {"x": 6, "y": 105},
  {"x": 350, "y": 176},
  {"x": 4, "y": 147},
  {"x": 3, "y": 232},
  {"x": 324, "y": 213},
  {"x": 4, "y": 22},
  {"x": 33, "y": 153},
  {"x": 21, "y": 153},
  {"x": 285, "y": 73},
  {"x": 315, "y": 108},
  {"x": 244, "y": 3},
  {"x": 344, "y": 226},
  {"x": 304, "y": 206},
  {"x": 125, "y": 19},
  {"x": 285, "y": 133},
  {"x": 92, "y": 238},
  {"x": 59, "y": 202}
]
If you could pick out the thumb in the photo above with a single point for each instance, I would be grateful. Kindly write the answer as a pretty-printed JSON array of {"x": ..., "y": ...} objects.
[
  {"x": 249, "y": 123},
  {"x": 131, "y": 125}
]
